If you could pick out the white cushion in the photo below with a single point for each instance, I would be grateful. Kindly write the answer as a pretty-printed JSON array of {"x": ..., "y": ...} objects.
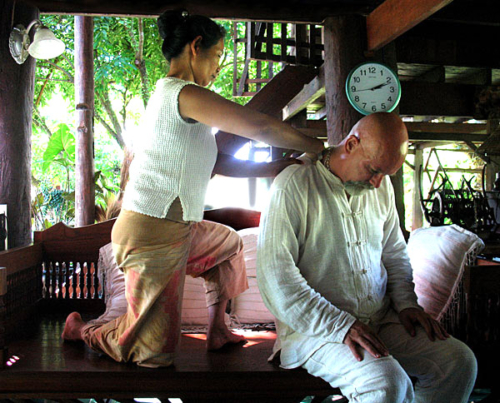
[
  {"x": 438, "y": 257},
  {"x": 114, "y": 285},
  {"x": 248, "y": 307},
  {"x": 194, "y": 304}
]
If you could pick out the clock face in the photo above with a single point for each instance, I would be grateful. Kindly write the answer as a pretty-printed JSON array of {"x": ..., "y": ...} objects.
[{"x": 372, "y": 87}]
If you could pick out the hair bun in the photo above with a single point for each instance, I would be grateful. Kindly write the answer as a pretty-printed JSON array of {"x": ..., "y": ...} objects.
[{"x": 170, "y": 20}]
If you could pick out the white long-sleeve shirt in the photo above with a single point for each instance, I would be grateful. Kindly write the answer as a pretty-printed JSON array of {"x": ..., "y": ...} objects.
[{"x": 324, "y": 260}]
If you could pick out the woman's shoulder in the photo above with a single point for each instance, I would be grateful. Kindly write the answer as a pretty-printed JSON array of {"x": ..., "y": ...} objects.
[
  {"x": 173, "y": 81},
  {"x": 171, "y": 85}
]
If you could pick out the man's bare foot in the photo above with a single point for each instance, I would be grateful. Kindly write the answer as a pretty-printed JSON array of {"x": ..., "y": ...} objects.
[
  {"x": 73, "y": 327},
  {"x": 218, "y": 338}
]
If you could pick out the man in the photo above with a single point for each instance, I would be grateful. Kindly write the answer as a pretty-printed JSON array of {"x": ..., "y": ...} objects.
[{"x": 332, "y": 267}]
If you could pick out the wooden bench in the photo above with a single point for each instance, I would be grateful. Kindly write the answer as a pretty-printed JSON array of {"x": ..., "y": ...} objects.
[{"x": 41, "y": 283}]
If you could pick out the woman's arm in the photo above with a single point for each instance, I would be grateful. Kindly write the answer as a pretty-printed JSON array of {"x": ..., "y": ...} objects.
[
  {"x": 228, "y": 165},
  {"x": 207, "y": 107}
]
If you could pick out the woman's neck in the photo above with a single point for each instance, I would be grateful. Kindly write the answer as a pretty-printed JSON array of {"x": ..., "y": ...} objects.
[{"x": 180, "y": 67}]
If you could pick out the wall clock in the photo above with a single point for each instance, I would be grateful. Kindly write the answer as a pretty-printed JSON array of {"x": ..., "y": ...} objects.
[{"x": 373, "y": 87}]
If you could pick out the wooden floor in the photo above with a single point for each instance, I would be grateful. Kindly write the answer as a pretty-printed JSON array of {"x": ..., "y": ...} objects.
[{"x": 46, "y": 367}]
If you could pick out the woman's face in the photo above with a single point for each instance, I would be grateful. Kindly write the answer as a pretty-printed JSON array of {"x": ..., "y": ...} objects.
[{"x": 207, "y": 62}]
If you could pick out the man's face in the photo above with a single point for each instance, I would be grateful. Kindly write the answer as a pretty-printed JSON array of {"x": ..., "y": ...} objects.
[{"x": 369, "y": 165}]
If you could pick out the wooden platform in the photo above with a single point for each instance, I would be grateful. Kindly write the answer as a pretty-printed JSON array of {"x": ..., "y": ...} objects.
[{"x": 43, "y": 366}]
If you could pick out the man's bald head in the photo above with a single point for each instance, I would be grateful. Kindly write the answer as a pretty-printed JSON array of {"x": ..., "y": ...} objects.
[
  {"x": 376, "y": 146},
  {"x": 383, "y": 135}
]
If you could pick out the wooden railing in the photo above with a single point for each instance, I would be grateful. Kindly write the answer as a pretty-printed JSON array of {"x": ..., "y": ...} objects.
[{"x": 70, "y": 281}]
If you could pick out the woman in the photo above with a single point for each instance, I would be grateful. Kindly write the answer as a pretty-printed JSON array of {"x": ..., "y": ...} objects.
[{"x": 173, "y": 162}]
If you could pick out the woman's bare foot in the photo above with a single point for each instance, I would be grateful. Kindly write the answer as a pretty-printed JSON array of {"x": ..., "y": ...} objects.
[
  {"x": 219, "y": 337},
  {"x": 73, "y": 327}
]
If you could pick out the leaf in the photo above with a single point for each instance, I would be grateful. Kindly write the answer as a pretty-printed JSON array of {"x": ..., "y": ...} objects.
[
  {"x": 69, "y": 196},
  {"x": 39, "y": 199},
  {"x": 62, "y": 141}
]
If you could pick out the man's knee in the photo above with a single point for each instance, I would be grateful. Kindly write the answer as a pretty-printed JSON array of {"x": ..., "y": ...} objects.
[
  {"x": 462, "y": 359},
  {"x": 389, "y": 383}
]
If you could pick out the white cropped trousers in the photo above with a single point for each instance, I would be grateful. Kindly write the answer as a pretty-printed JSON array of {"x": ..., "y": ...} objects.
[{"x": 445, "y": 370}]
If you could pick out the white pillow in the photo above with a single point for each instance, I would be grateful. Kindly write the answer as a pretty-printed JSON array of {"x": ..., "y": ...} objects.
[
  {"x": 194, "y": 303},
  {"x": 248, "y": 307},
  {"x": 114, "y": 285},
  {"x": 249, "y": 237},
  {"x": 438, "y": 256}
]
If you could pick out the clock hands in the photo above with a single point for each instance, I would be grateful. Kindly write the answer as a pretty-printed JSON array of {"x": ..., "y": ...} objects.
[
  {"x": 379, "y": 86},
  {"x": 374, "y": 88}
]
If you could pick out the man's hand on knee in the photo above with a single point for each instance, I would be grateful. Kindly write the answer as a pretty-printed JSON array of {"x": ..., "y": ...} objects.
[
  {"x": 409, "y": 317},
  {"x": 362, "y": 336}
]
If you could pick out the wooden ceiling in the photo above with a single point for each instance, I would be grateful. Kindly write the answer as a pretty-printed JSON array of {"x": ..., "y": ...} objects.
[
  {"x": 257, "y": 10},
  {"x": 458, "y": 36},
  {"x": 446, "y": 49},
  {"x": 464, "y": 11}
]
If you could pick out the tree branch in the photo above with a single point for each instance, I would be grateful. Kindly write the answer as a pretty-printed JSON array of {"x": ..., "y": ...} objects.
[
  {"x": 106, "y": 103},
  {"x": 118, "y": 137},
  {"x": 66, "y": 72},
  {"x": 39, "y": 120},
  {"x": 141, "y": 64},
  {"x": 46, "y": 80}
]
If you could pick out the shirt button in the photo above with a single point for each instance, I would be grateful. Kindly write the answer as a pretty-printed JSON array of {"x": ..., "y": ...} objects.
[
  {"x": 363, "y": 271},
  {"x": 369, "y": 297}
]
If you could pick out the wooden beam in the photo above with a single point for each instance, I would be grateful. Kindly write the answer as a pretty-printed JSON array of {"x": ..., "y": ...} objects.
[
  {"x": 491, "y": 146},
  {"x": 394, "y": 17},
  {"x": 467, "y": 128},
  {"x": 438, "y": 43},
  {"x": 270, "y": 100},
  {"x": 422, "y": 145},
  {"x": 259, "y": 10},
  {"x": 421, "y": 136},
  {"x": 437, "y": 99},
  {"x": 310, "y": 93}
]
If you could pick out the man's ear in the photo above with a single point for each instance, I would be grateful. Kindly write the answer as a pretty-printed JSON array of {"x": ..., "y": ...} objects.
[
  {"x": 351, "y": 143},
  {"x": 195, "y": 45}
]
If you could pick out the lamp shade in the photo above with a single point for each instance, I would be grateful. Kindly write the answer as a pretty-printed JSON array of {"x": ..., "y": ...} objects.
[{"x": 45, "y": 45}]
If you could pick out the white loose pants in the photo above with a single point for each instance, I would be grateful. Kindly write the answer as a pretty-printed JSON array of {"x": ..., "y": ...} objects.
[{"x": 445, "y": 370}]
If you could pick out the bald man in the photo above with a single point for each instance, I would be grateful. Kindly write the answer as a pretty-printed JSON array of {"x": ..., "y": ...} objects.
[{"x": 332, "y": 267}]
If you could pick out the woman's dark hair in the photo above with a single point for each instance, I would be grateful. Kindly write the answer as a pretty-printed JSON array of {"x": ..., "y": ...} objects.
[{"x": 178, "y": 28}]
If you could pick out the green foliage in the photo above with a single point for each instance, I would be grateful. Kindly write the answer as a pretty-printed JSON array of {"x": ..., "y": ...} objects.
[
  {"x": 49, "y": 206},
  {"x": 126, "y": 70},
  {"x": 61, "y": 148},
  {"x": 105, "y": 188}
]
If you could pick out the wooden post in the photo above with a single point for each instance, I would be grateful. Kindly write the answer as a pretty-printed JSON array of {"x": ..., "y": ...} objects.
[
  {"x": 84, "y": 98},
  {"x": 344, "y": 41},
  {"x": 3, "y": 309},
  {"x": 417, "y": 214},
  {"x": 16, "y": 105}
]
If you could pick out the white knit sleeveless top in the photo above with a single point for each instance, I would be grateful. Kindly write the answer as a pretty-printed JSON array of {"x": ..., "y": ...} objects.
[{"x": 173, "y": 158}]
